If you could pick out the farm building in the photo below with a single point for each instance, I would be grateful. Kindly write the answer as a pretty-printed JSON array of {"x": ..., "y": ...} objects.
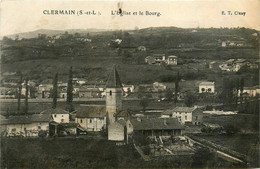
[
  {"x": 185, "y": 114},
  {"x": 166, "y": 127}
]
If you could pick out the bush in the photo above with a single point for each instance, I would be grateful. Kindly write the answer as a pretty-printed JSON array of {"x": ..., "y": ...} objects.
[{"x": 230, "y": 129}]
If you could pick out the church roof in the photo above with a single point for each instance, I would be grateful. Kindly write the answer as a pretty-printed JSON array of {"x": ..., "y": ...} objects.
[
  {"x": 91, "y": 112},
  {"x": 54, "y": 111},
  {"x": 114, "y": 79}
]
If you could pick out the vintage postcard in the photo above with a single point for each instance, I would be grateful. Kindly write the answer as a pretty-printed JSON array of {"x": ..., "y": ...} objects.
[{"x": 129, "y": 84}]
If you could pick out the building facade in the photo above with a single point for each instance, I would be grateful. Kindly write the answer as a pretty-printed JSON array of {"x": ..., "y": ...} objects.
[
  {"x": 185, "y": 115},
  {"x": 207, "y": 87}
]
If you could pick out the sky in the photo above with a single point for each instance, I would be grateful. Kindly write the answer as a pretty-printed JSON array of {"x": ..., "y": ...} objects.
[{"x": 27, "y": 15}]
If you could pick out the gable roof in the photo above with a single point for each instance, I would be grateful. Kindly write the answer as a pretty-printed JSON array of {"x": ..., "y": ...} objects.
[
  {"x": 156, "y": 124},
  {"x": 182, "y": 109},
  {"x": 207, "y": 84},
  {"x": 89, "y": 112},
  {"x": 114, "y": 79},
  {"x": 54, "y": 111},
  {"x": 121, "y": 114},
  {"x": 27, "y": 119}
]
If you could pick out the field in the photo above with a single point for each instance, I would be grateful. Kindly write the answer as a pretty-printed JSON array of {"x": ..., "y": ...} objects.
[
  {"x": 247, "y": 144},
  {"x": 244, "y": 123},
  {"x": 84, "y": 153},
  {"x": 64, "y": 152}
]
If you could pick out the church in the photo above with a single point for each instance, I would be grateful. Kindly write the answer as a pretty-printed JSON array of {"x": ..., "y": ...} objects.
[{"x": 120, "y": 124}]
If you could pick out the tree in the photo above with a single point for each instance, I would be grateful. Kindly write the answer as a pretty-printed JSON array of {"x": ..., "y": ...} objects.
[
  {"x": 177, "y": 80},
  {"x": 26, "y": 96},
  {"x": 204, "y": 158},
  {"x": 144, "y": 103},
  {"x": 55, "y": 91},
  {"x": 190, "y": 99},
  {"x": 169, "y": 94},
  {"x": 19, "y": 93},
  {"x": 70, "y": 92}
]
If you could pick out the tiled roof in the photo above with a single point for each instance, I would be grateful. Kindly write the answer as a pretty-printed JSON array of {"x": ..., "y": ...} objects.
[
  {"x": 182, "y": 109},
  {"x": 91, "y": 112},
  {"x": 156, "y": 124},
  {"x": 55, "y": 111},
  {"x": 207, "y": 83},
  {"x": 114, "y": 79},
  {"x": 121, "y": 122},
  {"x": 27, "y": 119},
  {"x": 122, "y": 114}
]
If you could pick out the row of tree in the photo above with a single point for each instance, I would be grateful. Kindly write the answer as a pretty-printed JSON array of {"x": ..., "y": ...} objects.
[{"x": 54, "y": 94}]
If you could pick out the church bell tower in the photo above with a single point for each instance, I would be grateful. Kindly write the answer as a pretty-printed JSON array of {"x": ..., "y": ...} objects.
[{"x": 113, "y": 95}]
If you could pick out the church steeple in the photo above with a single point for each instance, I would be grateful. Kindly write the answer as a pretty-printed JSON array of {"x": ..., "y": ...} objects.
[
  {"x": 114, "y": 79},
  {"x": 113, "y": 95}
]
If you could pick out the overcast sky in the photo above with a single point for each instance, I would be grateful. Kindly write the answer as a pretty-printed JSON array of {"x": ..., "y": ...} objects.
[{"x": 23, "y": 16}]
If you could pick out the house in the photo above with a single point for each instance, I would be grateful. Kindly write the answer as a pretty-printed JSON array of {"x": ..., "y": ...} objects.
[
  {"x": 7, "y": 93},
  {"x": 89, "y": 92},
  {"x": 62, "y": 129},
  {"x": 233, "y": 65},
  {"x": 26, "y": 125},
  {"x": 155, "y": 59},
  {"x": 172, "y": 60},
  {"x": 250, "y": 91},
  {"x": 58, "y": 115},
  {"x": 124, "y": 115},
  {"x": 117, "y": 131},
  {"x": 185, "y": 114},
  {"x": 213, "y": 65},
  {"x": 207, "y": 87},
  {"x": 159, "y": 86},
  {"x": 141, "y": 48},
  {"x": 92, "y": 118},
  {"x": 128, "y": 88},
  {"x": 60, "y": 125},
  {"x": 150, "y": 127},
  {"x": 44, "y": 90},
  {"x": 79, "y": 81}
]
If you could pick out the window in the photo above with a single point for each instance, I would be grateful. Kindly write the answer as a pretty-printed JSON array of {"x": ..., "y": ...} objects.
[
  {"x": 209, "y": 90},
  {"x": 90, "y": 121},
  {"x": 14, "y": 130},
  {"x": 62, "y": 120},
  {"x": 24, "y": 129},
  {"x": 55, "y": 115},
  {"x": 110, "y": 93},
  {"x": 185, "y": 117},
  {"x": 61, "y": 115},
  {"x": 196, "y": 117},
  {"x": 81, "y": 121},
  {"x": 203, "y": 89},
  {"x": 39, "y": 127}
]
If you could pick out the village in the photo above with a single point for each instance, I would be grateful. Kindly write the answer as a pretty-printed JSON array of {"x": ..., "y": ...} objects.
[{"x": 182, "y": 114}]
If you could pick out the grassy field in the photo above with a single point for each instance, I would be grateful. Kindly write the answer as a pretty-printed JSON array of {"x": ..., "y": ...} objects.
[
  {"x": 245, "y": 123},
  {"x": 83, "y": 153},
  {"x": 247, "y": 144},
  {"x": 64, "y": 153}
]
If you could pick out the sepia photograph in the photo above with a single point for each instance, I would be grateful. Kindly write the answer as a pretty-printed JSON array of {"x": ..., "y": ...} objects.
[{"x": 129, "y": 84}]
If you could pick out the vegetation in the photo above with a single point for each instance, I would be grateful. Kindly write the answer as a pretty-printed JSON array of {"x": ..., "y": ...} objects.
[
  {"x": 55, "y": 91},
  {"x": 19, "y": 93},
  {"x": 26, "y": 96},
  {"x": 70, "y": 92}
]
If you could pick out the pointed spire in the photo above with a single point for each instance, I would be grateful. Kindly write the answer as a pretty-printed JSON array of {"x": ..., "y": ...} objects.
[{"x": 114, "y": 79}]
